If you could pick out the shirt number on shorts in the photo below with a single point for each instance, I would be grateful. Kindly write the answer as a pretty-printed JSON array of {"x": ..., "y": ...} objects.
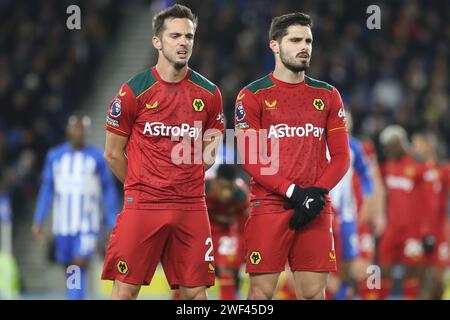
[{"x": 208, "y": 256}]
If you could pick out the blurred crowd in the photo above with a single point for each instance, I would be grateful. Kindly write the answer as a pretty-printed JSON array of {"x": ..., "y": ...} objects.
[{"x": 45, "y": 71}]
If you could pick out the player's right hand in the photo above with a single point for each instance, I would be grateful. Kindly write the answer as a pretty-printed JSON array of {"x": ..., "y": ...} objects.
[
  {"x": 38, "y": 233},
  {"x": 379, "y": 224},
  {"x": 307, "y": 204}
]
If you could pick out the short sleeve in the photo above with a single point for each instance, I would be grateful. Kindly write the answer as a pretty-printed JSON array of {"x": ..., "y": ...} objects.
[
  {"x": 122, "y": 112},
  {"x": 336, "y": 118},
  {"x": 247, "y": 114}
]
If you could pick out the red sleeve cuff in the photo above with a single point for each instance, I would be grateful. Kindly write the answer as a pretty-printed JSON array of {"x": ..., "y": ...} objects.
[
  {"x": 117, "y": 131},
  {"x": 282, "y": 189},
  {"x": 336, "y": 130}
]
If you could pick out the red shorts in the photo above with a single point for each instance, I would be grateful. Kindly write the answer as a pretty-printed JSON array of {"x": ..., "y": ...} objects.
[
  {"x": 400, "y": 246},
  {"x": 270, "y": 243},
  {"x": 181, "y": 240},
  {"x": 337, "y": 241},
  {"x": 228, "y": 248}
]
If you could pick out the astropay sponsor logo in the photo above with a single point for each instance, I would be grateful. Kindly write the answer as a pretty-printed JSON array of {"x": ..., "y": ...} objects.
[
  {"x": 282, "y": 130},
  {"x": 161, "y": 129}
]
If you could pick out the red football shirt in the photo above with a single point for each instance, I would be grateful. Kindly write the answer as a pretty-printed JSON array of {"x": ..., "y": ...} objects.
[
  {"x": 409, "y": 205},
  {"x": 159, "y": 118},
  {"x": 299, "y": 118}
]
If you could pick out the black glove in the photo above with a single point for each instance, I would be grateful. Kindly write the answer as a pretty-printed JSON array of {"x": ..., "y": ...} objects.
[
  {"x": 428, "y": 244},
  {"x": 308, "y": 203}
]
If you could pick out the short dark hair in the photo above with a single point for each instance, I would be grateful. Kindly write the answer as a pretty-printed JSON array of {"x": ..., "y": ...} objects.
[
  {"x": 175, "y": 11},
  {"x": 226, "y": 171},
  {"x": 280, "y": 24}
]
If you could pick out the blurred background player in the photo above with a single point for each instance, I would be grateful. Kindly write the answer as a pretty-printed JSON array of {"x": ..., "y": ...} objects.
[
  {"x": 371, "y": 218},
  {"x": 409, "y": 213},
  {"x": 343, "y": 197},
  {"x": 228, "y": 199},
  {"x": 436, "y": 245},
  {"x": 77, "y": 186}
]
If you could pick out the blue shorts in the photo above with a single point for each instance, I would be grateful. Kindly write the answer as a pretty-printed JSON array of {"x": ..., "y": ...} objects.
[{"x": 81, "y": 245}]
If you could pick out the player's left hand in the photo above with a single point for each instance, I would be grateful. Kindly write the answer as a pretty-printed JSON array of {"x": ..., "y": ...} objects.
[{"x": 38, "y": 233}]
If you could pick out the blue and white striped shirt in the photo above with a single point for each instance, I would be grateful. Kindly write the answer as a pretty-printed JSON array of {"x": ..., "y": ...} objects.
[{"x": 75, "y": 183}]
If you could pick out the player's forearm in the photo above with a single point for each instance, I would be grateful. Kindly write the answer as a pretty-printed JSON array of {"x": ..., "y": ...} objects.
[
  {"x": 210, "y": 149},
  {"x": 367, "y": 208},
  {"x": 366, "y": 182},
  {"x": 379, "y": 195},
  {"x": 206, "y": 166},
  {"x": 273, "y": 181},
  {"x": 118, "y": 164},
  {"x": 44, "y": 202},
  {"x": 110, "y": 204},
  {"x": 208, "y": 161},
  {"x": 339, "y": 163}
]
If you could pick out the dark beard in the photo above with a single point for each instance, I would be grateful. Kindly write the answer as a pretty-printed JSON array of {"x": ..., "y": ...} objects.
[{"x": 296, "y": 68}]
